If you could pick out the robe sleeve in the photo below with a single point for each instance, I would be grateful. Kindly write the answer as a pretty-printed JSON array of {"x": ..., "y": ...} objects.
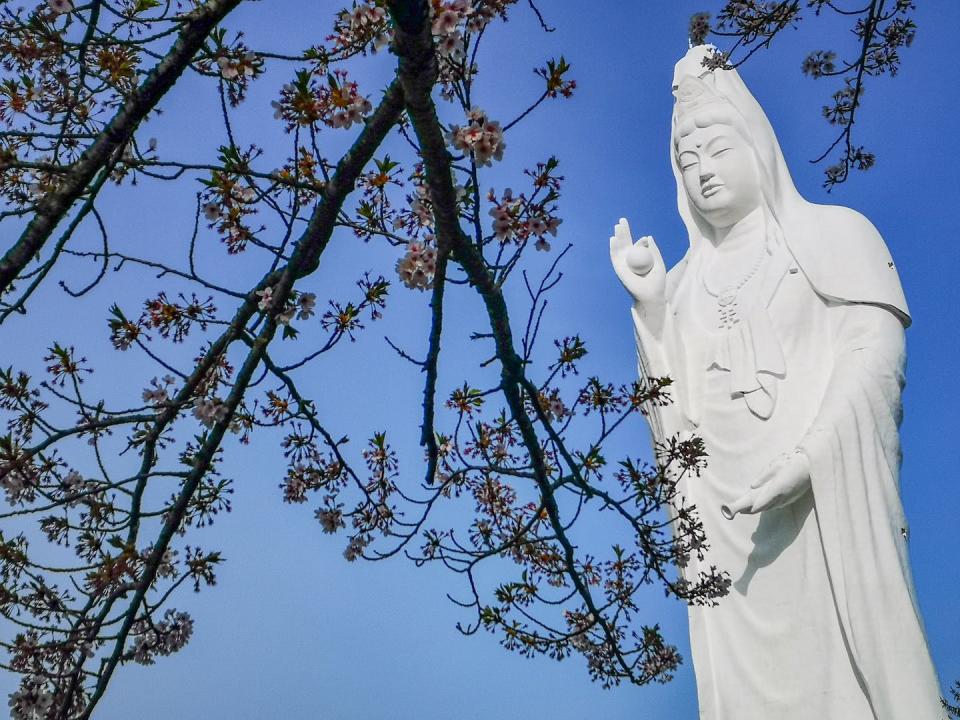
[
  {"x": 853, "y": 449},
  {"x": 657, "y": 356}
]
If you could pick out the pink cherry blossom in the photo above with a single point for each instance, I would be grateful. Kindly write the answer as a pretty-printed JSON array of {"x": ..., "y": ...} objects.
[{"x": 60, "y": 6}]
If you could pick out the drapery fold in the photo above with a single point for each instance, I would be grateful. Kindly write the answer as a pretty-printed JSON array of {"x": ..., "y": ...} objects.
[{"x": 854, "y": 453}]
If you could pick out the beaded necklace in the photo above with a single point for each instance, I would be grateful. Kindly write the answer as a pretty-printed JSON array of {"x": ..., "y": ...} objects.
[{"x": 727, "y": 297}]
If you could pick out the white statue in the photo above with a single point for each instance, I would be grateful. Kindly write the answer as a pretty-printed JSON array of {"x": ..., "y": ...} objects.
[{"x": 783, "y": 328}]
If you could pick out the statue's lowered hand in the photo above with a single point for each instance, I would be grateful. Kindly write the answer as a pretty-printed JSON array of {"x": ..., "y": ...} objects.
[
  {"x": 785, "y": 481},
  {"x": 639, "y": 265}
]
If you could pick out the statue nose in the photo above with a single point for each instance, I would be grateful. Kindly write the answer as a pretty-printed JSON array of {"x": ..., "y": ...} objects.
[{"x": 706, "y": 177}]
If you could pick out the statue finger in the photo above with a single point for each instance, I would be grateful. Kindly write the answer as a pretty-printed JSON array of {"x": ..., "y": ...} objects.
[
  {"x": 616, "y": 247},
  {"x": 621, "y": 240},
  {"x": 618, "y": 256},
  {"x": 650, "y": 242}
]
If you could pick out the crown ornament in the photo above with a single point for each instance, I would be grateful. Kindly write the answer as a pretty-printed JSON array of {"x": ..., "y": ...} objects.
[
  {"x": 694, "y": 93},
  {"x": 696, "y": 63}
]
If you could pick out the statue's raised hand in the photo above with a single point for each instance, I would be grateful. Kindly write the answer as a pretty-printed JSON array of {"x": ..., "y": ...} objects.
[{"x": 639, "y": 266}]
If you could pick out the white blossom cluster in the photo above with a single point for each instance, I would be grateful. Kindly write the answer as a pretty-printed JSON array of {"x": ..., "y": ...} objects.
[
  {"x": 365, "y": 14},
  {"x": 60, "y": 6},
  {"x": 356, "y": 547},
  {"x": 504, "y": 216},
  {"x": 74, "y": 486},
  {"x": 580, "y": 625},
  {"x": 303, "y": 307},
  {"x": 71, "y": 481},
  {"x": 159, "y": 391},
  {"x": 358, "y": 109},
  {"x": 420, "y": 207},
  {"x": 266, "y": 298},
  {"x": 447, "y": 20},
  {"x": 161, "y": 638},
  {"x": 365, "y": 20},
  {"x": 167, "y": 567},
  {"x": 337, "y": 104},
  {"x": 31, "y": 702},
  {"x": 209, "y": 411},
  {"x": 234, "y": 68},
  {"x": 331, "y": 519},
  {"x": 507, "y": 224},
  {"x": 16, "y": 485},
  {"x": 418, "y": 266},
  {"x": 481, "y": 137},
  {"x": 238, "y": 194},
  {"x": 555, "y": 408}
]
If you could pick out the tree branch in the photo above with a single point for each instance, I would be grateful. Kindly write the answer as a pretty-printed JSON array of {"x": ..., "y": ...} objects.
[{"x": 54, "y": 206}]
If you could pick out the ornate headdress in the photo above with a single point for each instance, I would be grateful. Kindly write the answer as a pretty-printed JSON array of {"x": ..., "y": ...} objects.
[
  {"x": 693, "y": 93},
  {"x": 698, "y": 104}
]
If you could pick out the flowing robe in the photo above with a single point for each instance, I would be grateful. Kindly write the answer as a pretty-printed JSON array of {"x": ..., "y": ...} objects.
[{"x": 821, "y": 620}]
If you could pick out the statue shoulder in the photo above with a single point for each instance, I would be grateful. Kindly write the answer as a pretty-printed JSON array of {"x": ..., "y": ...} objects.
[
  {"x": 860, "y": 235},
  {"x": 846, "y": 259}
]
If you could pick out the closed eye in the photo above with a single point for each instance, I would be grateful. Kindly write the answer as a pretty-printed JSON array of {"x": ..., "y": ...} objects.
[
  {"x": 687, "y": 159},
  {"x": 720, "y": 152}
]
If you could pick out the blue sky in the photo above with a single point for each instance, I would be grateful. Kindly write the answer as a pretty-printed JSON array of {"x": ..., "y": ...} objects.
[{"x": 291, "y": 630}]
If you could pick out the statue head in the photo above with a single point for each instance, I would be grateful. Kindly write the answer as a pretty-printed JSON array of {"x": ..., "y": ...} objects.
[
  {"x": 715, "y": 110},
  {"x": 714, "y": 155}
]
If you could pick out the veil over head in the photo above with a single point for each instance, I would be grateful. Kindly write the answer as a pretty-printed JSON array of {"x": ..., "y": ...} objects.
[{"x": 838, "y": 249}]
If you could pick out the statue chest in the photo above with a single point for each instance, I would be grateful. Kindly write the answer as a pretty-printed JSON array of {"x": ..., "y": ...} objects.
[{"x": 758, "y": 364}]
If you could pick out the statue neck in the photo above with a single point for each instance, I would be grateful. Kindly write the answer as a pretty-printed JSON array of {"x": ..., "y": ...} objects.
[{"x": 741, "y": 234}]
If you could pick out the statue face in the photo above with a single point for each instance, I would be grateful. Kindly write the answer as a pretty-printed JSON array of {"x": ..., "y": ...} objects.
[{"x": 720, "y": 174}]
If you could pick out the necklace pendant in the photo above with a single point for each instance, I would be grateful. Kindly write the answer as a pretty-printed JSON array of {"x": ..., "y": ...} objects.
[
  {"x": 728, "y": 314},
  {"x": 726, "y": 297}
]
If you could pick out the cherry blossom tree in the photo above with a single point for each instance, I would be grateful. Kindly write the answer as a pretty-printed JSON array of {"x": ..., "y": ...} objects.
[
  {"x": 953, "y": 710},
  {"x": 92, "y": 580}
]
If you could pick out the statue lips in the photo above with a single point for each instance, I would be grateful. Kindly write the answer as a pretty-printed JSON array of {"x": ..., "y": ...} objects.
[{"x": 711, "y": 189}]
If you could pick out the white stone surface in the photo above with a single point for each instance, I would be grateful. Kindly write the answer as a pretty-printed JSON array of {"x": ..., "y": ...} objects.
[{"x": 783, "y": 328}]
